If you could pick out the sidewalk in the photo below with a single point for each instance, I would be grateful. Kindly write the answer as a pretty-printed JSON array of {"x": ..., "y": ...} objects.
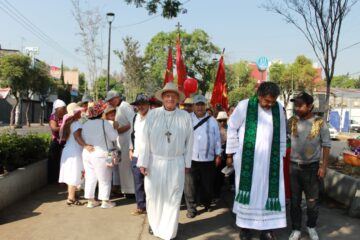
[{"x": 44, "y": 216}]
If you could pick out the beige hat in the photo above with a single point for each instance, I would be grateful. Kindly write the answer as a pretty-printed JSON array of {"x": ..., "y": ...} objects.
[
  {"x": 188, "y": 101},
  {"x": 108, "y": 109},
  {"x": 170, "y": 87},
  {"x": 73, "y": 108},
  {"x": 222, "y": 115}
]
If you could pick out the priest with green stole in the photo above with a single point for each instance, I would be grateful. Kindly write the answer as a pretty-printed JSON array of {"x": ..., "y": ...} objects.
[{"x": 256, "y": 144}]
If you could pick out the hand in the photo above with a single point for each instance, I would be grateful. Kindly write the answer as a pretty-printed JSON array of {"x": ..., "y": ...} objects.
[
  {"x": 116, "y": 125},
  {"x": 187, "y": 170},
  {"x": 218, "y": 161},
  {"x": 143, "y": 171},
  {"x": 229, "y": 161},
  {"x": 89, "y": 148},
  {"x": 322, "y": 172},
  {"x": 131, "y": 154}
]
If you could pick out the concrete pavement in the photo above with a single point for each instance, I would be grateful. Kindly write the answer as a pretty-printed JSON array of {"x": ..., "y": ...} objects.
[{"x": 44, "y": 215}]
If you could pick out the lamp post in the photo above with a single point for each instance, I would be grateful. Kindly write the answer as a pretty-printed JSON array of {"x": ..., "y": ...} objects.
[{"x": 110, "y": 18}]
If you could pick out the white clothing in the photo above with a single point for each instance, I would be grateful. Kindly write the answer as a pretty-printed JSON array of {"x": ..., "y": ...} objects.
[
  {"x": 139, "y": 136},
  {"x": 94, "y": 162},
  {"x": 71, "y": 164},
  {"x": 254, "y": 215},
  {"x": 207, "y": 142},
  {"x": 124, "y": 116},
  {"x": 165, "y": 162}
]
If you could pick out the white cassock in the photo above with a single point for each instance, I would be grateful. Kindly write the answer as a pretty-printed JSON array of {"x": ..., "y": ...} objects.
[
  {"x": 124, "y": 116},
  {"x": 165, "y": 162},
  {"x": 254, "y": 215}
]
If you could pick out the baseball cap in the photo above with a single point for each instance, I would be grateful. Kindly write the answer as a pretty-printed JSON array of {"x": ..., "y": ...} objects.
[
  {"x": 112, "y": 94},
  {"x": 199, "y": 99}
]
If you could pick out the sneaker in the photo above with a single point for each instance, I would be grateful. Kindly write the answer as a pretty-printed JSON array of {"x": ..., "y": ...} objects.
[
  {"x": 107, "y": 204},
  {"x": 92, "y": 204},
  {"x": 295, "y": 235},
  {"x": 312, "y": 233}
]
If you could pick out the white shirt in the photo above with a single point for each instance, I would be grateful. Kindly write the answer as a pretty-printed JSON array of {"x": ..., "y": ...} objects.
[
  {"x": 139, "y": 136},
  {"x": 207, "y": 142}
]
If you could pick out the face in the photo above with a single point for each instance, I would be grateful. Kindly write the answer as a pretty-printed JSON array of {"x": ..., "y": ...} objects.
[
  {"x": 200, "y": 109},
  {"x": 110, "y": 116},
  {"x": 115, "y": 101},
  {"x": 143, "y": 108},
  {"x": 61, "y": 111},
  {"x": 77, "y": 115},
  {"x": 85, "y": 106},
  {"x": 170, "y": 100},
  {"x": 222, "y": 122},
  {"x": 267, "y": 101},
  {"x": 210, "y": 112},
  {"x": 231, "y": 110},
  {"x": 189, "y": 108},
  {"x": 302, "y": 109}
]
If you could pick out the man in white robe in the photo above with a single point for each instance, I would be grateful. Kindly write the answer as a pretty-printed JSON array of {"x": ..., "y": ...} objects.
[
  {"x": 255, "y": 213},
  {"x": 163, "y": 160}
]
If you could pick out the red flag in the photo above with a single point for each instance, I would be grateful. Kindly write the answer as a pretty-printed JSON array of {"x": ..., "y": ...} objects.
[
  {"x": 219, "y": 94},
  {"x": 180, "y": 66},
  {"x": 169, "y": 77}
]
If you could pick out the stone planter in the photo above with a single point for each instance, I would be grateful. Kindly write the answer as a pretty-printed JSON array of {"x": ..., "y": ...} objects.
[
  {"x": 344, "y": 189},
  {"x": 17, "y": 184}
]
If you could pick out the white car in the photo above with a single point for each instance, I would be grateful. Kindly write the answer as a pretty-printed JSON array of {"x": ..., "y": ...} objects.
[{"x": 333, "y": 132}]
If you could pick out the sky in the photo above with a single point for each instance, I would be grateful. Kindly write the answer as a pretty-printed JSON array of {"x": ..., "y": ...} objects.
[{"x": 245, "y": 30}]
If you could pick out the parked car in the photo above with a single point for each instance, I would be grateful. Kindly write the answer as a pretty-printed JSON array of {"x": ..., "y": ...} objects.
[
  {"x": 354, "y": 126},
  {"x": 333, "y": 132}
]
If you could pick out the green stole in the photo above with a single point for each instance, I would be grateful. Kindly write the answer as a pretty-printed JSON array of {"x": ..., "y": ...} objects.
[{"x": 248, "y": 153}]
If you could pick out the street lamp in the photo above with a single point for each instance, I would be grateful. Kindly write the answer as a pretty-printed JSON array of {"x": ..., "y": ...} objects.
[{"x": 110, "y": 18}]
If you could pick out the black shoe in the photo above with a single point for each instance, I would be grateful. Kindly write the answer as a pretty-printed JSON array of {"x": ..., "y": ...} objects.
[
  {"x": 190, "y": 214},
  {"x": 150, "y": 231},
  {"x": 267, "y": 235},
  {"x": 245, "y": 234}
]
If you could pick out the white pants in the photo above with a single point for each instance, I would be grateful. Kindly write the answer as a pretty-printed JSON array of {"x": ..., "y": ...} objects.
[{"x": 96, "y": 171}]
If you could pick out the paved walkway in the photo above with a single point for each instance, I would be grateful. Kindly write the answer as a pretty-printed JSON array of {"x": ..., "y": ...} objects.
[{"x": 44, "y": 216}]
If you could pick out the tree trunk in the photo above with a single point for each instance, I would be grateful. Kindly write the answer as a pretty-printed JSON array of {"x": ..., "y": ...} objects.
[
  {"x": 327, "y": 98},
  {"x": 27, "y": 112},
  {"x": 41, "y": 120},
  {"x": 13, "y": 110}
]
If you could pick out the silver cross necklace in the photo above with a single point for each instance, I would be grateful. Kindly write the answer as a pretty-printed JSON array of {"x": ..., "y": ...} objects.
[{"x": 168, "y": 126}]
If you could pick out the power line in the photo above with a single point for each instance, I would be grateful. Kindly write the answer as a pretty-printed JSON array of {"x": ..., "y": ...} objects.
[{"x": 350, "y": 46}]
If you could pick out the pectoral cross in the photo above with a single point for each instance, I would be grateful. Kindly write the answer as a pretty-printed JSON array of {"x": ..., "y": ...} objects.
[{"x": 168, "y": 134}]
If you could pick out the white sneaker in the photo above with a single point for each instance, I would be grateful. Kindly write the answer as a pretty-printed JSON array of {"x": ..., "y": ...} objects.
[
  {"x": 312, "y": 233},
  {"x": 295, "y": 235},
  {"x": 107, "y": 204},
  {"x": 92, "y": 204}
]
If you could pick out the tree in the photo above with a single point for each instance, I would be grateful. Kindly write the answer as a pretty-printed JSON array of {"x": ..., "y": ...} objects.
[
  {"x": 198, "y": 52},
  {"x": 320, "y": 21},
  {"x": 14, "y": 73},
  {"x": 134, "y": 67},
  {"x": 170, "y": 8},
  {"x": 114, "y": 84}
]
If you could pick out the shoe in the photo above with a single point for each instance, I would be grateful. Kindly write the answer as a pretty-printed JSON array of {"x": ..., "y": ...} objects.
[
  {"x": 138, "y": 212},
  {"x": 295, "y": 235},
  {"x": 208, "y": 209},
  {"x": 190, "y": 214},
  {"x": 107, "y": 204},
  {"x": 245, "y": 234},
  {"x": 150, "y": 231},
  {"x": 92, "y": 204},
  {"x": 267, "y": 235},
  {"x": 312, "y": 233}
]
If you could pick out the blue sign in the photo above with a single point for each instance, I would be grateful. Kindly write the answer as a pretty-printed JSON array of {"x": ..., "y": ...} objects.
[{"x": 262, "y": 63}]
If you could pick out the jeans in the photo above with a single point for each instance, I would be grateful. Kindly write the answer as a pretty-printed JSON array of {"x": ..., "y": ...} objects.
[
  {"x": 139, "y": 185},
  {"x": 304, "y": 178}
]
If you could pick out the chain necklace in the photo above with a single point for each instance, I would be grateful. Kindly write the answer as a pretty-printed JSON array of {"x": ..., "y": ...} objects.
[{"x": 168, "y": 126}]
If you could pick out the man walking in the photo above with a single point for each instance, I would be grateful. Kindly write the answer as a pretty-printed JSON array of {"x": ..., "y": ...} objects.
[
  {"x": 256, "y": 143},
  {"x": 166, "y": 155},
  {"x": 137, "y": 141},
  {"x": 310, "y": 138},
  {"x": 206, "y": 156}
]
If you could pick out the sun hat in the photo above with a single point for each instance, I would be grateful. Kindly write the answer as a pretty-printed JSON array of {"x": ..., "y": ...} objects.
[
  {"x": 200, "y": 99},
  {"x": 109, "y": 109},
  {"x": 73, "y": 108},
  {"x": 222, "y": 116},
  {"x": 86, "y": 99},
  {"x": 112, "y": 94},
  {"x": 97, "y": 109},
  {"x": 58, "y": 103},
  {"x": 141, "y": 98},
  {"x": 170, "y": 87}
]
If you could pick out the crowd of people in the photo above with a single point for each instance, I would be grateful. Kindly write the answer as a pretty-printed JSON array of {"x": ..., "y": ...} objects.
[{"x": 166, "y": 148}]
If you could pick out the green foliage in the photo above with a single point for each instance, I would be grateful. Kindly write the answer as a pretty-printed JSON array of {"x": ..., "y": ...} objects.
[
  {"x": 82, "y": 84},
  {"x": 170, "y": 8},
  {"x": 100, "y": 85},
  {"x": 18, "y": 151},
  {"x": 198, "y": 52},
  {"x": 344, "y": 81},
  {"x": 242, "y": 92}
]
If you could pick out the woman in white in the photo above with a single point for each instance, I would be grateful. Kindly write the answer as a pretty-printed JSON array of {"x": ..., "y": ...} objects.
[
  {"x": 99, "y": 133},
  {"x": 71, "y": 166}
]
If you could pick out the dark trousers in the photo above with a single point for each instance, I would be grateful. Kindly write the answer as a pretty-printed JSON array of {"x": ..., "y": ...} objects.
[
  {"x": 304, "y": 178},
  {"x": 55, "y": 151},
  {"x": 139, "y": 185},
  {"x": 200, "y": 180}
]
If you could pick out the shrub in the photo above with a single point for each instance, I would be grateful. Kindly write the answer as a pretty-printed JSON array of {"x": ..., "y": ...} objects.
[{"x": 20, "y": 150}]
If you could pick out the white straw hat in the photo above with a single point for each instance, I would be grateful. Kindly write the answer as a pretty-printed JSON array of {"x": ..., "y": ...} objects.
[
  {"x": 222, "y": 115},
  {"x": 170, "y": 87}
]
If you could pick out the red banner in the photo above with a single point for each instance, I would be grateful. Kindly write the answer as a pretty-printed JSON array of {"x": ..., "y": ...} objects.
[
  {"x": 219, "y": 94},
  {"x": 180, "y": 66},
  {"x": 169, "y": 77}
]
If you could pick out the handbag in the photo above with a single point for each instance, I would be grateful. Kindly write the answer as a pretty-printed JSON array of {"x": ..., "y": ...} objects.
[{"x": 114, "y": 156}]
